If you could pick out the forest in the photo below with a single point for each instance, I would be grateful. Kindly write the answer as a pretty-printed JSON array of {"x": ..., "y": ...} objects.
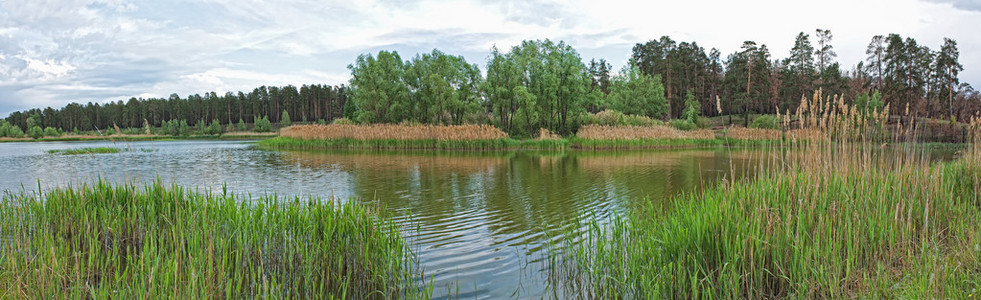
[{"x": 544, "y": 84}]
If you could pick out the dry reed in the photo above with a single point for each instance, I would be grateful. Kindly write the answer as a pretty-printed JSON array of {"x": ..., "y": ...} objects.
[
  {"x": 394, "y": 132},
  {"x": 753, "y": 134},
  {"x": 545, "y": 134},
  {"x": 598, "y": 132}
]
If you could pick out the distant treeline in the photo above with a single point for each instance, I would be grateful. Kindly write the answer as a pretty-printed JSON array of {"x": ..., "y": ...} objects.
[
  {"x": 308, "y": 102},
  {"x": 543, "y": 84}
]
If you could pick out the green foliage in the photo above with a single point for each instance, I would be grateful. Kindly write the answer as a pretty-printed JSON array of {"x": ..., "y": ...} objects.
[
  {"x": 321, "y": 122},
  {"x": 284, "y": 120},
  {"x": 35, "y": 132},
  {"x": 538, "y": 84},
  {"x": 241, "y": 125},
  {"x": 766, "y": 122},
  {"x": 51, "y": 131},
  {"x": 175, "y": 128},
  {"x": 343, "y": 121},
  {"x": 78, "y": 151},
  {"x": 444, "y": 88},
  {"x": 682, "y": 125},
  {"x": 261, "y": 124},
  {"x": 693, "y": 109},
  {"x": 7, "y": 130},
  {"x": 214, "y": 128},
  {"x": 139, "y": 239},
  {"x": 350, "y": 109},
  {"x": 636, "y": 93},
  {"x": 378, "y": 88}
]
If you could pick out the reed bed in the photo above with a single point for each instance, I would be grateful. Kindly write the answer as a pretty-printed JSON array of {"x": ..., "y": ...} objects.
[
  {"x": 120, "y": 241},
  {"x": 753, "y": 134},
  {"x": 602, "y": 132},
  {"x": 845, "y": 218},
  {"x": 395, "y": 132}
]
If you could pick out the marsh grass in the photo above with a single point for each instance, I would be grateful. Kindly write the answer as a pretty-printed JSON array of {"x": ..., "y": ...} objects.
[
  {"x": 854, "y": 213},
  {"x": 120, "y": 241},
  {"x": 395, "y": 132},
  {"x": 78, "y": 151}
]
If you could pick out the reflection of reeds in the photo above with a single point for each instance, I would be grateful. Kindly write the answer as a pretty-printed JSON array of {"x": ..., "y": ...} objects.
[
  {"x": 368, "y": 161},
  {"x": 600, "y": 132},
  {"x": 394, "y": 132},
  {"x": 844, "y": 217},
  {"x": 119, "y": 241}
]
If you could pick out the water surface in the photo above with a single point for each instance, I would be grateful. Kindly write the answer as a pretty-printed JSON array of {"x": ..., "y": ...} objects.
[{"x": 478, "y": 221}]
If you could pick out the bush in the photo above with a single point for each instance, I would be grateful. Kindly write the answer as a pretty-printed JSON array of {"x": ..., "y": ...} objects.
[
  {"x": 692, "y": 109},
  {"x": 615, "y": 118},
  {"x": 682, "y": 125},
  {"x": 343, "y": 121},
  {"x": 51, "y": 131},
  {"x": 35, "y": 132},
  {"x": 766, "y": 122},
  {"x": 15, "y": 132},
  {"x": 214, "y": 128},
  {"x": 241, "y": 124},
  {"x": 262, "y": 125}
]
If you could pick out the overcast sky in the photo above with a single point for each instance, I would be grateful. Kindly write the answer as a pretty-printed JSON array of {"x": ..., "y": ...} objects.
[{"x": 56, "y": 52}]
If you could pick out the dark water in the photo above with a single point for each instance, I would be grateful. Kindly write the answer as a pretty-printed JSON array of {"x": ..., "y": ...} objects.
[{"x": 479, "y": 222}]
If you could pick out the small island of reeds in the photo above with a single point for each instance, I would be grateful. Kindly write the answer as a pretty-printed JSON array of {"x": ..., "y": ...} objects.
[{"x": 87, "y": 150}]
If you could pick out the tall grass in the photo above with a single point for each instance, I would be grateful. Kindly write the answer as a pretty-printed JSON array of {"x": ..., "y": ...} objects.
[
  {"x": 394, "y": 132},
  {"x": 106, "y": 241},
  {"x": 844, "y": 217},
  {"x": 600, "y": 132}
]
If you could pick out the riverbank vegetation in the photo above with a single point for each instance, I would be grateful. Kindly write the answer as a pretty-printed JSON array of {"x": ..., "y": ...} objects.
[
  {"x": 843, "y": 218},
  {"x": 116, "y": 240},
  {"x": 77, "y": 151}
]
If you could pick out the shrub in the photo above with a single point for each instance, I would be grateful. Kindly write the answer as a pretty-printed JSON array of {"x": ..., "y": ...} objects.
[
  {"x": 692, "y": 109},
  {"x": 15, "y": 132},
  {"x": 766, "y": 122},
  {"x": 214, "y": 128},
  {"x": 241, "y": 125},
  {"x": 342, "y": 121},
  {"x": 284, "y": 120},
  {"x": 51, "y": 131},
  {"x": 262, "y": 125},
  {"x": 35, "y": 132},
  {"x": 682, "y": 125}
]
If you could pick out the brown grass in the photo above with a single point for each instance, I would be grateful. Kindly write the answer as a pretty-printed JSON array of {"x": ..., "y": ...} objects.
[
  {"x": 598, "y": 132},
  {"x": 545, "y": 134},
  {"x": 742, "y": 133},
  {"x": 393, "y": 132}
]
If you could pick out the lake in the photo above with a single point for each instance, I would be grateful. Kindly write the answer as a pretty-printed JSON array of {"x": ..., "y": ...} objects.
[{"x": 480, "y": 222}]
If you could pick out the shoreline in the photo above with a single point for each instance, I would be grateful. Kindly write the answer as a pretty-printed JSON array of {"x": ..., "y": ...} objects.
[{"x": 75, "y": 138}]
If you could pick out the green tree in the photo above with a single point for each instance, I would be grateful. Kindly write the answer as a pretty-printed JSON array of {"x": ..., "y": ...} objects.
[
  {"x": 378, "y": 88},
  {"x": 633, "y": 92},
  {"x": 947, "y": 68},
  {"x": 552, "y": 72},
  {"x": 797, "y": 75},
  {"x": 241, "y": 125},
  {"x": 35, "y": 132},
  {"x": 284, "y": 119},
  {"x": 692, "y": 110},
  {"x": 261, "y": 124}
]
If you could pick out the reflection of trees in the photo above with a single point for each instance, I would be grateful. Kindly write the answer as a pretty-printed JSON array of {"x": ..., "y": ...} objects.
[{"x": 515, "y": 195}]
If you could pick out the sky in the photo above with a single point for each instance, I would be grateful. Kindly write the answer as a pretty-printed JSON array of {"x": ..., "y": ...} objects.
[{"x": 56, "y": 52}]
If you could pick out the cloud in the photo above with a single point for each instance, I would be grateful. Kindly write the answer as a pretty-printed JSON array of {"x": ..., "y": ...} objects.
[
  {"x": 972, "y": 5},
  {"x": 56, "y": 51}
]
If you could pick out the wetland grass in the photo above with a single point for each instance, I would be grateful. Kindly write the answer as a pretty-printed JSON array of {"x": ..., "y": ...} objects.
[
  {"x": 121, "y": 241},
  {"x": 78, "y": 151},
  {"x": 843, "y": 217}
]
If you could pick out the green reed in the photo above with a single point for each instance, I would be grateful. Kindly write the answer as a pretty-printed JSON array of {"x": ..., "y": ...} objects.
[
  {"x": 92, "y": 150},
  {"x": 121, "y": 241}
]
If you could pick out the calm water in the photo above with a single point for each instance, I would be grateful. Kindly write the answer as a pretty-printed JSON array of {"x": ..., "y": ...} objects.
[{"x": 477, "y": 221}]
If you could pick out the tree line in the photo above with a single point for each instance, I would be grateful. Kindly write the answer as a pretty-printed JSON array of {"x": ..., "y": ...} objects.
[
  {"x": 546, "y": 84},
  {"x": 306, "y": 103}
]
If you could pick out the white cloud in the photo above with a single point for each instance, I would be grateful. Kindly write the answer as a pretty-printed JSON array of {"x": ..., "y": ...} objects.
[{"x": 53, "y": 52}]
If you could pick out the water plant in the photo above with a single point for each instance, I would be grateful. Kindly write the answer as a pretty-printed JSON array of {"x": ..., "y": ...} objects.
[
  {"x": 157, "y": 241},
  {"x": 851, "y": 214}
]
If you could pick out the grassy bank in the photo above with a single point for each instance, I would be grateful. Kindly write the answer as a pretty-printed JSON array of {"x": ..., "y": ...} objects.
[
  {"x": 107, "y": 241},
  {"x": 842, "y": 218},
  {"x": 880, "y": 234}
]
